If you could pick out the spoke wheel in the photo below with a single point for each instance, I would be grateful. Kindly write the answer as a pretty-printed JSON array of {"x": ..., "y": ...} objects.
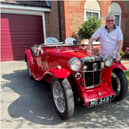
[
  {"x": 59, "y": 97},
  {"x": 119, "y": 84},
  {"x": 116, "y": 84},
  {"x": 62, "y": 97}
]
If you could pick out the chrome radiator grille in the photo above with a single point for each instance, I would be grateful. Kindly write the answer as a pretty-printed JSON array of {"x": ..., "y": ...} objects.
[{"x": 92, "y": 73}]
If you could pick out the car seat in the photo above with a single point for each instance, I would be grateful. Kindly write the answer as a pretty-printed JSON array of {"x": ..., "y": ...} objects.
[
  {"x": 70, "y": 41},
  {"x": 51, "y": 40}
]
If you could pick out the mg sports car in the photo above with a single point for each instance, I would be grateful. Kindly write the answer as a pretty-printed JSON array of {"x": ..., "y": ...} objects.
[{"x": 75, "y": 74}]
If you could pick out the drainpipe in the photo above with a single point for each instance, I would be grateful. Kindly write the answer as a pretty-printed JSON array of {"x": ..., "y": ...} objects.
[{"x": 59, "y": 21}]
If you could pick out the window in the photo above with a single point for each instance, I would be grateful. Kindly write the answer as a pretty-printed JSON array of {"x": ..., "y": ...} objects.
[
  {"x": 89, "y": 14},
  {"x": 117, "y": 20},
  {"x": 115, "y": 9},
  {"x": 91, "y": 9}
]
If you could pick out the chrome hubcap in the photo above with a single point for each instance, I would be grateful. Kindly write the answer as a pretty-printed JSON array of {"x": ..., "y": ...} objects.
[{"x": 58, "y": 96}]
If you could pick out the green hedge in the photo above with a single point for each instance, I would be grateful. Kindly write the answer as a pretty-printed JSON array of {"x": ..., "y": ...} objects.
[{"x": 89, "y": 27}]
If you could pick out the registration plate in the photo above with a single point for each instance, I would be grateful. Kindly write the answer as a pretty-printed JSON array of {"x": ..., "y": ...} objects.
[{"x": 96, "y": 102}]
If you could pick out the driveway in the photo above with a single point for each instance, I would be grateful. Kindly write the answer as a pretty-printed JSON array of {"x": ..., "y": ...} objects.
[{"x": 26, "y": 103}]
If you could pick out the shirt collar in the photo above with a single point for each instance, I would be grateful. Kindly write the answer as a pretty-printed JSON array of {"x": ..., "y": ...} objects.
[{"x": 114, "y": 27}]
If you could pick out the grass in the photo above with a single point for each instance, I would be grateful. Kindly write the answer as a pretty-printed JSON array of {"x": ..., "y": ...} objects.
[{"x": 127, "y": 75}]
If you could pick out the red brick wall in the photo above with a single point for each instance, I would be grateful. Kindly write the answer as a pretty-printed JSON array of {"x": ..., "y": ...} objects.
[
  {"x": 104, "y": 6},
  {"x": 124, "y": 21},
  {"x": 51, "y": 19},
  {"x": 74, "y": 16}
]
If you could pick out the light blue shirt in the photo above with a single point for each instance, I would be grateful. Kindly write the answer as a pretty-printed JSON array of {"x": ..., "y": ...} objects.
[{"x": 108, "y": 40}]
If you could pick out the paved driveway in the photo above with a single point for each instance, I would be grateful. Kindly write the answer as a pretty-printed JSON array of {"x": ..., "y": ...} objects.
[{"x": 26, "y": 103}]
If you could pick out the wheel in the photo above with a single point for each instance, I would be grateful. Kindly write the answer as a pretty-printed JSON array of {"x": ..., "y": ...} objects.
[
  {"x": 28, "y": 69},
  {"x": 63, "y": 97},
  {"x": 119, "y": 85}
]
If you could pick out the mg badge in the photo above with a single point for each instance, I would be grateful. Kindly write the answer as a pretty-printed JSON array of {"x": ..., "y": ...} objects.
[{"x": 78, "y": 75}]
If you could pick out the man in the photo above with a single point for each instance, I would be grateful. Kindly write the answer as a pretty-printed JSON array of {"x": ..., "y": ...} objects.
[{"x": 111, "y": 39}]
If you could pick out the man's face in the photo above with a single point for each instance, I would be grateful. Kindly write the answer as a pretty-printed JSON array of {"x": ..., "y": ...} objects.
[{"x": 110, "y": 22}]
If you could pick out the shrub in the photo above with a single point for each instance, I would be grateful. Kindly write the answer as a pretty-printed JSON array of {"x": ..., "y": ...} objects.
[
  {"x": 89, "y": 27},
  {"x": 126, "y": 53}
]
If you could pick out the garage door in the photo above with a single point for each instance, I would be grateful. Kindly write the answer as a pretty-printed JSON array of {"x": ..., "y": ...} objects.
[{"x": 19, "y": 32}]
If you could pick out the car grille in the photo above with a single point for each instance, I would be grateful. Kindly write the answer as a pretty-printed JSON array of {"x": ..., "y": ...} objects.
[{"x": 92, "y": 73}]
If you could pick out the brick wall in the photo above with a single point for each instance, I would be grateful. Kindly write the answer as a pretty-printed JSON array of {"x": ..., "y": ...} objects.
[
  {"x": 74, "y": 16},
  {"x": 124, "y": 21},
  {"x": 51, "y": 19},
  {"x": 104, "y": 5}
]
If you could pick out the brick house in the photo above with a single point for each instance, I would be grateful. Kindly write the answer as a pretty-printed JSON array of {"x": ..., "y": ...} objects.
[
  {"x": 25, "y": 23},
  {"x": 76, "y": 12}
]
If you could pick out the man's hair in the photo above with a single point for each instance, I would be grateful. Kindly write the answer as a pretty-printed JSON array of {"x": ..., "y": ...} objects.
[{"x": 110, "y": 15}]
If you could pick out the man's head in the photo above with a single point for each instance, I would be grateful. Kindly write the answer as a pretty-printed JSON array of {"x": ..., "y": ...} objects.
[{"x": 110, "y": 21}]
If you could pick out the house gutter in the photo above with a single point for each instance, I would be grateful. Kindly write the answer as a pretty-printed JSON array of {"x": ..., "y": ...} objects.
[{"x": 59, "y": 21}]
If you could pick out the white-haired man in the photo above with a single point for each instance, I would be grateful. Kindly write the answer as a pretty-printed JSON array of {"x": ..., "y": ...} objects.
[{"x": 111, "y": 38}]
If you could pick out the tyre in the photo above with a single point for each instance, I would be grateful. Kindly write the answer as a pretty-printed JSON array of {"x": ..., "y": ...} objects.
[
  {"x": 63, "y": 97},
  {"x": 119, "y": 85},
  {"x": 28, "y": 69}
]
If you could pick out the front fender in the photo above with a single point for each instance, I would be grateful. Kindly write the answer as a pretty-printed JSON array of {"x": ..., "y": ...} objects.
[
  {"x": 117, "y": 65},
  {"x": 106, "y": 72},
  {"x": 59, "y": 72}
]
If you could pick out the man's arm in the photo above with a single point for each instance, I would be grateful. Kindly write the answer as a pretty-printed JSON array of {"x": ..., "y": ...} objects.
[
  {"x": 120, "y": 45},
  {"x": 94, "y": 37},
  {"x": 90, "y": 42}
]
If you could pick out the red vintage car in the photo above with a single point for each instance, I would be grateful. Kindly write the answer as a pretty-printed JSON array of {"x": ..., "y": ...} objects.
[{"x": 75, "y": 74}]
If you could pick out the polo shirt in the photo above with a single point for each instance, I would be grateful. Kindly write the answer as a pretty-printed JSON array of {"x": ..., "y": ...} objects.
[{"x": 108, "y": 40}]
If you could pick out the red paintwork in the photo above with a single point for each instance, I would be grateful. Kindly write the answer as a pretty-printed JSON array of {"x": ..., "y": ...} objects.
[
  {"x": 59, "y": 73},
  {"x": 45, "y": 66},
  {"x": 19, "y": 32}
]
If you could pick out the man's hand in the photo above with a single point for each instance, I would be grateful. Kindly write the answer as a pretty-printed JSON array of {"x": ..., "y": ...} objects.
[
  {"x": 89, "y": 50},
  {"x": 118, "y": 57}
]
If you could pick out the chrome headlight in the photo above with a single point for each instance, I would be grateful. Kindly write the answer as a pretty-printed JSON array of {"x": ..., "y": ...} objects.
[
  {"x": 108, "y": 61},
  {"x": 75, "y": 64}
]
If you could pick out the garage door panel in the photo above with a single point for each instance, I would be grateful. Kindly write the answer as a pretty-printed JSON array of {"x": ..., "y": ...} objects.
[
  {"x": 20, "y": 39},
  {"x": 19, "y": 32},
  {"x": 8, "y": 55}
]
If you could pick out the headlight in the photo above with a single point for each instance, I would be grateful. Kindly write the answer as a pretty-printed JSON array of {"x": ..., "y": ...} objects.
[
  {"x": 75, "y": 64},
  {"x": 108, "y": 61}
]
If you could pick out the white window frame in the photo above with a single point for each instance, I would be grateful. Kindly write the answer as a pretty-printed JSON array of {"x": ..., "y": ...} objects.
[
  {"x": 114, "y": 13},
  {"x": 18, "y": 9},
  {"x": 92, "y": 11}
]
